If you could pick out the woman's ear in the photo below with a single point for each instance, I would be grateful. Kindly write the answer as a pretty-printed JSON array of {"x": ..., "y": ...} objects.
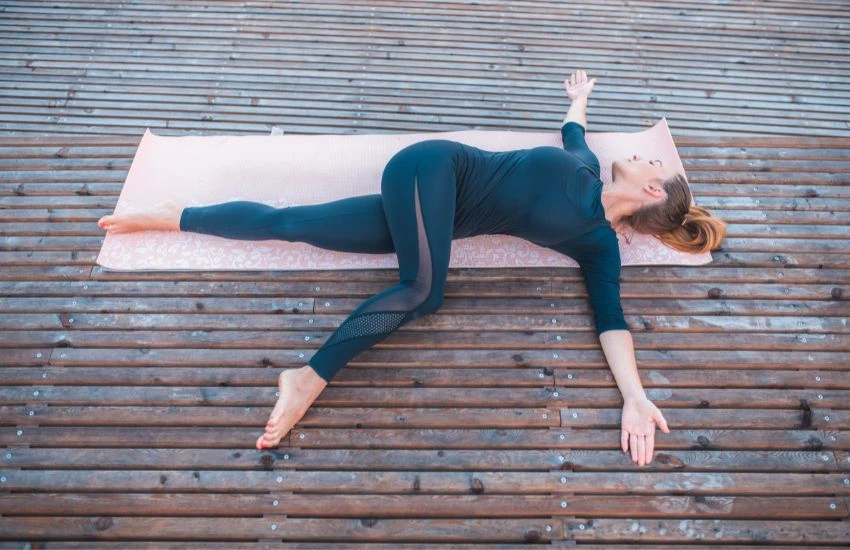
[{"x": 655, "y": 188}]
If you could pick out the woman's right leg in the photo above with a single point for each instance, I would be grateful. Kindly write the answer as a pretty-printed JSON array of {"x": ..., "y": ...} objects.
[
  {"x": 353, "y": 224},
  {"x": 418, "y": 187}
]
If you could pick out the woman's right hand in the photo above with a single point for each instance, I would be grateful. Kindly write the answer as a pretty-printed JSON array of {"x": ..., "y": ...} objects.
[{"x": 578, "y": 85}]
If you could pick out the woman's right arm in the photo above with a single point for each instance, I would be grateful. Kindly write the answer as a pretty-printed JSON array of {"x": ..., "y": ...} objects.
[
  {"x": 577, "y": 112},
  {"x": 578, "y": 88}
]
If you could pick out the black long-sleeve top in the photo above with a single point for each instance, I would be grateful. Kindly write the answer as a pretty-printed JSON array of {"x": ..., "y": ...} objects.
[{"x": 551, "y": 197}]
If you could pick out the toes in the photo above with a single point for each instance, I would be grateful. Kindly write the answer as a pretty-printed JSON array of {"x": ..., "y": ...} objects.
[{"x": 268, "y": 440}]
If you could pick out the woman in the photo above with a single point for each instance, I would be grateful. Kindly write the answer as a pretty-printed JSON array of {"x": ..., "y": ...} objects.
[{"x": 438, "y": 190}]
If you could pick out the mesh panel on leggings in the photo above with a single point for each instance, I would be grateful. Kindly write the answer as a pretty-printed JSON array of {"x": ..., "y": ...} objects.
[{"x": 366, "y": 325}]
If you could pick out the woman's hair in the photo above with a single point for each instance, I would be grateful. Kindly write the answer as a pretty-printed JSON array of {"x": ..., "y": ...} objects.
[{"x": 678, "y": 223}]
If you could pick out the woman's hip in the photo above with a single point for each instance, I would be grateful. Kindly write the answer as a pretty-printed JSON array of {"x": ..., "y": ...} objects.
[{"x": 429, "y": 151}]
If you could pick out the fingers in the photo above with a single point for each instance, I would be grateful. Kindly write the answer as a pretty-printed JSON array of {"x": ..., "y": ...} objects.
[
  {"x": 641, "y": 441},
  {"x": 578, "y": 79},
  {"x": 662, "y": 423},
  {"x": 650, "y": 446},
  {"x": 641, "y": 446}
]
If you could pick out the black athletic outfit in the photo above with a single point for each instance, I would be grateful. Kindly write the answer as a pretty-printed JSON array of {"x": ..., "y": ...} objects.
[{"x": 434, "y": 191}]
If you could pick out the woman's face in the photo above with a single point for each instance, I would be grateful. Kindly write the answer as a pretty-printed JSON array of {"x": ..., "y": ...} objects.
[{"x": 635, "y": 170}]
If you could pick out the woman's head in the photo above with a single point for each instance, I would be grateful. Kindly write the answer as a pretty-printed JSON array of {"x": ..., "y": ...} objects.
[{"x": 665, "y": 206}]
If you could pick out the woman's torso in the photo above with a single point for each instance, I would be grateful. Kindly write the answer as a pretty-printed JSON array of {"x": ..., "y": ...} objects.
[{"x": 543, "y": 194}]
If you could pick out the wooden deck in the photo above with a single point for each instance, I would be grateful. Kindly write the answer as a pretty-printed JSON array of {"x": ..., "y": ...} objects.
[{"x": 130, "y": 402}]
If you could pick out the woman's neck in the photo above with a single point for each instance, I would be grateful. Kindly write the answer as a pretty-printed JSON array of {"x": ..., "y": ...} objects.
[{"x": 616, "y": 206}]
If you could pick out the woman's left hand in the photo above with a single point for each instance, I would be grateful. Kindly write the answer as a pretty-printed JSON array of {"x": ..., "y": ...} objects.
[
  {"x": 578, "y": 85},
  {"x": 640, "y": 417}
]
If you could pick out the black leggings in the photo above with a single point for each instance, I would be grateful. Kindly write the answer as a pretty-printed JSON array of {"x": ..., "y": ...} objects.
[{"x": 413, "y": 216}]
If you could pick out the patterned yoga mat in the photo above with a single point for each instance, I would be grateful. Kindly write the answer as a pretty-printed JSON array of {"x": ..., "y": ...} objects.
[{"x": 290, "y": 169}]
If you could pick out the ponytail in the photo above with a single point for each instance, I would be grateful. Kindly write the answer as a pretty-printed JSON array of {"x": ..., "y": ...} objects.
[{"x": 700, "y": 232}]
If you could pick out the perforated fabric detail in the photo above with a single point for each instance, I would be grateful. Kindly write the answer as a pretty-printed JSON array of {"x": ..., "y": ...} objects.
[{"x": 367, "y": 324}]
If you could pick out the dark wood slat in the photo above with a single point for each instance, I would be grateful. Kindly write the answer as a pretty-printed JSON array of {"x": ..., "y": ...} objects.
[
  {"x": 250, "y": 529},
  {"x": 395, "y": 506},
  {"x": 574, "y": 395},
  {"x": 729, "y": 462},
  {"x": 508, "y": 484}
]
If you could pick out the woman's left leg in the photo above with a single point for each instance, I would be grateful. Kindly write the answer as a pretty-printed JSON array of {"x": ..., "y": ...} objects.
[{"x": 352, "y": 224}]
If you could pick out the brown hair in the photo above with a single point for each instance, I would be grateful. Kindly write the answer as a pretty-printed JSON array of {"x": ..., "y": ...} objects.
[{"x": 678, "y": 223}]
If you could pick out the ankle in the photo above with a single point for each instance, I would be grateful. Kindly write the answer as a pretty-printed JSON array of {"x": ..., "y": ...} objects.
[
  {"x": 172, "y": 221},
  {"x": 310, "y": 378}
]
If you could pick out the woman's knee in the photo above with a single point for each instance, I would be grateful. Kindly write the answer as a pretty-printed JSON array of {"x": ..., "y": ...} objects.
[
  {"x": 430, "y": 305},
  {"x": 279, "y": 224}
]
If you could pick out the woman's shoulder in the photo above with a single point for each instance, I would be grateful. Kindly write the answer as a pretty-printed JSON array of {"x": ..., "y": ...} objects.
[{"x": 598, "y": 243}]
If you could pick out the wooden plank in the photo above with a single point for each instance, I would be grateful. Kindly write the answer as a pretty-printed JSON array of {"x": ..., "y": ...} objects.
[
  {"x": 230, "y": 505},
  {"x": 404, "y": 505},
  {"x": 397, "y": 417},
  {"x": 35, "y": 330},
  {"x": 732, "y": 463},
  {"x": 574, "y": 438},
  {"x": 349, "y": 417},
  {"x": 501, "y": 358},
  {"x": 553, "y": 486},
  {"x": 798, "y": 532},
  {"x": 305, "y": 529}
]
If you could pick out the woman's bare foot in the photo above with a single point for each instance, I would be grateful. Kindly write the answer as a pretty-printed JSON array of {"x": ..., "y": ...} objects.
[
  {"x": 163, "y": 216},
  {"x": 298, "y": 389}
]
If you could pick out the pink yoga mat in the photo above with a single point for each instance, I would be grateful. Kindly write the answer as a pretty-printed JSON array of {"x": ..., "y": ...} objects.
[{"x": 284, "y": 170}]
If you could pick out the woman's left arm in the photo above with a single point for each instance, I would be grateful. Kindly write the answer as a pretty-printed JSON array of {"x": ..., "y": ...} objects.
[
  {"x": 619, "y": 350},
  {"x": 640, "y": 415}
]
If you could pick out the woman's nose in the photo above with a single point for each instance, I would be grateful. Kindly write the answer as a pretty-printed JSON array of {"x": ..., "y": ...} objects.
[{"x": 635, "y": 157}]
